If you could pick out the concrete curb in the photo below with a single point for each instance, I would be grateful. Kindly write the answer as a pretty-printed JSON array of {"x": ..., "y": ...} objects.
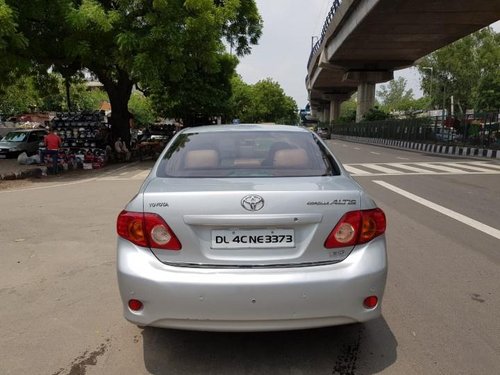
[
  {"x": 425, "y": 147},
  {"x": 19, "y": 175}
]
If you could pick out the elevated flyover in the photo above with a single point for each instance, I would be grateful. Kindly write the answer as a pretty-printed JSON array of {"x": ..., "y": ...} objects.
[{"x": 364, "y": 41}]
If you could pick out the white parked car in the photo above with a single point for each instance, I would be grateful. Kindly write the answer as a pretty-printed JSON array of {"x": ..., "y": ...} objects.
[
  {"x": 18, "y": 141},
  {"x": 250, "y": 228}
]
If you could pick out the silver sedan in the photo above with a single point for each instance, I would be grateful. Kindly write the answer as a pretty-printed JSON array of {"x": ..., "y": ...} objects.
[{"x": 250, "y": 228}]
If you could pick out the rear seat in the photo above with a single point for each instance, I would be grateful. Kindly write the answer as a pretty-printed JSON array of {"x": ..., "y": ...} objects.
[
  {"x": 199, "y": 159},
  {"x": 291, "y": 158}
]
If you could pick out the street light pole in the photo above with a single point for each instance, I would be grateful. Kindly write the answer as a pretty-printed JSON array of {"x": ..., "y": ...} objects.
[
  {"x": 432, "y": 80},
  {"x": 430, "y": 92},
  {"x": 313, "y": 39}
]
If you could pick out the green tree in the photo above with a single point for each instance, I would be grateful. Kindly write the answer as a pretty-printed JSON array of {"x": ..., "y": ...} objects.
[
  {"x": 348, "y": 110},
  {"x": 153, "y": 43},
  {"x": 142, "y": 109},
  {"x": 489, "y": 98},
  {"x": 395, "y": 97},
  {"x": 11, "y": 43},
  {"x": 50, "y": 89},
  {"x": 376, "y": 114},
  {"x": 200, "y": 94},
  {"x": 270, "y": 104},
  {"x": 87, "y": 100},
  {"x": 468, "y": 69},
  {"x": 240, "y": 103},
  {"x": 262, "y": 102},
  {"x": 46, "y": 92},
  {"x": 20, "y": 97}
]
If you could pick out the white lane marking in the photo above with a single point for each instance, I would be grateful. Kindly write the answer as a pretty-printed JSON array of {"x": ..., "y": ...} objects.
[
  {"x": 50, "y": 186},
  {"x": 483, "y": 164},
  {"x": 473, "y": 168},
  {"x": 141, "y": 175},
  {"x": 357, "y": 148},
  {"x": 114, "y": 171},
  {"x": 356, "y": 171},
  {"x": 410, "y": 168},
  {"x": 441, "y": 168},
  {"x": 443, "y": 210},
  {"x": 421, "y": 168},
  {"x": 374, "y": 153},
  {"x": 103, "y": 177},
  {"x": 107, "y": 179},
  {"x": 400, "y": 158},
  {"x": 380, "y": 168},
  {"x": 122, "y": 177}
]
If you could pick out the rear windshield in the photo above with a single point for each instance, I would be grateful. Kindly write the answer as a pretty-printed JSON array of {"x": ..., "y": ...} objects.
[{"x": 247, "y": 154}]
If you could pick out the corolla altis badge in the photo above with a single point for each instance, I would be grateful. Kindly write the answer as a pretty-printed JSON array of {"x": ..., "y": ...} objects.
[
  {"x": 252, "y": 202},
  {"x": 335, "y": 202}
]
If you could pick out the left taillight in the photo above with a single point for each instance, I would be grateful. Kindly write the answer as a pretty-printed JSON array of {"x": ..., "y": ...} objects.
[
  {"x": 357, "y": 227},
  {"x": 147, "y": 230}
]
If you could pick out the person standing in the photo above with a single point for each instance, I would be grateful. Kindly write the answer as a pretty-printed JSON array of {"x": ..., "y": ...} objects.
[{"x": 52, "y": 145}]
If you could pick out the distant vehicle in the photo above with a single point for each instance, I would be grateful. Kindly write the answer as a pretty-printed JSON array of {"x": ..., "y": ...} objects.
[
  {"x": 323, "y": 133},
  {"x": 306, "y": 117},
  {"x": 18, "y": 141},
  {"x": 250, "y": 228}
]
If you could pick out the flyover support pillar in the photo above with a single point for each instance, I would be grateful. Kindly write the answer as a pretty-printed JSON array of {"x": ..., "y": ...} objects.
[
  {"x": 335, "y": 110},
  {"x": 321, "y": 116},
  {"x": 366, "y": 99},
  {"x": 366, "y": 87},
  {"x": 327, "y": 114},
  {"x": 332, "y": 105}
]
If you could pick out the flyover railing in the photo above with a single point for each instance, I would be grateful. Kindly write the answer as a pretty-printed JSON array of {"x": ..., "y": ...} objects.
[
  {"x": 425, "y": 130},
  {"x": 316, "y": 47}
]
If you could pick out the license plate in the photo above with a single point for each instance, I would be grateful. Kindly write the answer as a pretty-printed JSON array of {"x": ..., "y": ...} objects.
[
  {"x": 253, "y": 238},
  {"x": 3, "y": 156}
]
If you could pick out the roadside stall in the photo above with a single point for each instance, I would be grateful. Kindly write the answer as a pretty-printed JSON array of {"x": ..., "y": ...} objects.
[
  {"x": 83, "y": 137},
  {"x": 153, "y": 140}
]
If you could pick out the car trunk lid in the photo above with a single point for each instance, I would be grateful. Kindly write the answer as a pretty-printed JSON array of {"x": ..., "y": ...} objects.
[{"x": 251, "y": 222}]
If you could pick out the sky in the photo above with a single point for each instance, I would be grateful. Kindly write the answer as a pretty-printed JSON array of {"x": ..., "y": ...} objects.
[{"x": 285, "y": 45}]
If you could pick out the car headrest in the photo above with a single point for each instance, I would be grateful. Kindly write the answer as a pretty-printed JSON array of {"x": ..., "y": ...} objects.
[
  {"x": 197, "y": 159},
  {"x": 291, "y": 158}
]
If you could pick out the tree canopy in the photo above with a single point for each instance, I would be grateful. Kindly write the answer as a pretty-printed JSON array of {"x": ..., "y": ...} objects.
[
  {"x": 156, "y": 44},
  {"x": 468, "y": 70},
  {"x": 10, "y": 41},
  {"x": 46, "y": 92},
  {"x": 262, "y": 102},
  {"x": 395, "y": 97}
]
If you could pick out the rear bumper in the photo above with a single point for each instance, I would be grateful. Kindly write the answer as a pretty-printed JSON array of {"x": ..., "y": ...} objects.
[{"x": 251, "y": 299}]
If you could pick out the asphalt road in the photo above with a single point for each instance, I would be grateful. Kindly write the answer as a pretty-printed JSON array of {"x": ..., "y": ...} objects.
[{"x": 61, "y": 313}]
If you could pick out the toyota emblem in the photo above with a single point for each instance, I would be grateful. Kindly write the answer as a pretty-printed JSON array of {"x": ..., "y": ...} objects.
[{"x": 252, "y": 202}]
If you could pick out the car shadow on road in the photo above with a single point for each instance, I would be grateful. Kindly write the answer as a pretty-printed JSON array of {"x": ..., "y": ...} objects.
[{"x": 344, "y": 350}]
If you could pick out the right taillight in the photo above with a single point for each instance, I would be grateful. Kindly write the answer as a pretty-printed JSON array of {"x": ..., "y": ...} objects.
[
  {"x": 357, "y": 227},
  {"x": 147, "y": 230}
]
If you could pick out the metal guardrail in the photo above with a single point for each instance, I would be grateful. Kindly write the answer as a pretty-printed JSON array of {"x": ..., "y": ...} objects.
[
  {"x": 423, "y": 130},
  {"x": 328, "y": 21}
]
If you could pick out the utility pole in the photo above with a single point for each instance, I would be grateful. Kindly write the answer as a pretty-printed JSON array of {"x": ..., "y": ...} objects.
[
  {"x": 432, "y": 81},
  {"x": 444, "y": 107},
  {"x": 430, "y": 94},
  {"x": 314, "y": 39}
]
